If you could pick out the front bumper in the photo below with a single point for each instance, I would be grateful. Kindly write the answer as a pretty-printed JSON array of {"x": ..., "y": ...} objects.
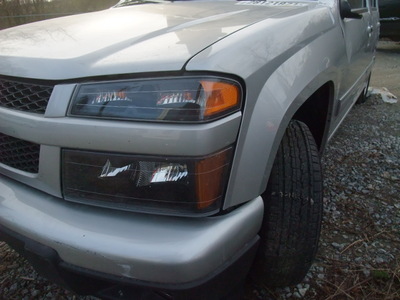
[{"x": 166, "y": 253}]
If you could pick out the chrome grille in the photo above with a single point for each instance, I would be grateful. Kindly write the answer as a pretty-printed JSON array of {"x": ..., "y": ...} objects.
[
  {"x": 19, "y": 154},
  {"x": 24, "y": 96}
]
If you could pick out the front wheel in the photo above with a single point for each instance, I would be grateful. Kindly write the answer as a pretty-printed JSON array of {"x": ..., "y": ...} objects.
[{"x": 293, "y": 210}]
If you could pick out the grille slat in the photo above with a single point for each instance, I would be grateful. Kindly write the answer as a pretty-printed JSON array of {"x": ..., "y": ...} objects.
[
  {"x": 19, "y": 154},
  {"x": 24, "y": 96}
]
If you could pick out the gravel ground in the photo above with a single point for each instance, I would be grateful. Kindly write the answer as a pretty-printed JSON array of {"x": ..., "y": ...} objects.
[{"x": 359, "y": 256}]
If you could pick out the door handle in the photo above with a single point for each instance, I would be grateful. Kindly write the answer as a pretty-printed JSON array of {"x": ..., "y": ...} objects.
[{"x": 370, "y": 29}]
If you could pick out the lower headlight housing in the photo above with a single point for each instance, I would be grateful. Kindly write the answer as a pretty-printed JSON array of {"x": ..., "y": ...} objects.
[{"x": 160, "y": 185}]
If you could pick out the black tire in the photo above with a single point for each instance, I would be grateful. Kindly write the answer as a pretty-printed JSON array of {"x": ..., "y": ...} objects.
[
  {"x": 293, "y": 211},
  {"x": 364, "y": 95}
]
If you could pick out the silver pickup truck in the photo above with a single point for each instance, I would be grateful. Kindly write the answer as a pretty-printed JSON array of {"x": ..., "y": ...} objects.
[{"x": 167, "y": 149}]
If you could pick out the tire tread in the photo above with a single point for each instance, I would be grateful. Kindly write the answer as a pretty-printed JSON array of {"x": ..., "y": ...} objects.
[{"x": 293, "y": 210}]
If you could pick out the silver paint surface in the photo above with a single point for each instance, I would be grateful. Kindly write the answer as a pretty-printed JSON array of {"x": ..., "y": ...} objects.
[
  {"x": 140, "y": 246},
  {"x": 282, "y": 52}
]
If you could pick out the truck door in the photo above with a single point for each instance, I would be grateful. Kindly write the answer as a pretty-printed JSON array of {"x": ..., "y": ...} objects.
[
  {"x": 358, "y": 31},
  {"x": 374, "y": 23}
]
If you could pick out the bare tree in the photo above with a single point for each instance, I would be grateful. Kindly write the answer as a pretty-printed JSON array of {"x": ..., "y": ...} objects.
[
  {"x": 16, "y": 12},
  {"x": 38, "y": 5}
]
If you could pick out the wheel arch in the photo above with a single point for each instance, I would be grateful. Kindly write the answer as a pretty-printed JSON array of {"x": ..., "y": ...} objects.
[
  {"x": 316, "y": 113},
  {"x": 317, "y": 96},
  {"x": 315, "y": 110}
]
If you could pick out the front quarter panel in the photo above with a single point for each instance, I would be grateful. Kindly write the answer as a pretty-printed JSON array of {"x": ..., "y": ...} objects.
[{"x": 282, "y": 61}]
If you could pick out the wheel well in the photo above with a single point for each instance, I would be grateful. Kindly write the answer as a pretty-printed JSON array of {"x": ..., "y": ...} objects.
[{"x": 315, "y": 113}]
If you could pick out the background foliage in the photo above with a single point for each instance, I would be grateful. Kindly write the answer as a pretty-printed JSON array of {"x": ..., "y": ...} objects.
[{"x": 17, "y": 12}]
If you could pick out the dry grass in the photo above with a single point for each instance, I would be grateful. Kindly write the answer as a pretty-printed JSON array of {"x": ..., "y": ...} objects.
[
  {"x": 344, "y": 282},
  {"x": 381, "y": 283}
]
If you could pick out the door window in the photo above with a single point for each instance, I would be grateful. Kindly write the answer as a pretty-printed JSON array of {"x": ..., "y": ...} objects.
[{"x": 357, "y": 3}]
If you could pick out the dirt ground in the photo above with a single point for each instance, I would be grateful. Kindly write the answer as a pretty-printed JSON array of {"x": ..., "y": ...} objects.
[{"x": 386, "y": 72}]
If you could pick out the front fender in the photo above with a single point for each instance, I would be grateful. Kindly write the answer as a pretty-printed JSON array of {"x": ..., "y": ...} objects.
[
  {"x": 264, "y": 125},
  {"x": 280, "y": 73}
]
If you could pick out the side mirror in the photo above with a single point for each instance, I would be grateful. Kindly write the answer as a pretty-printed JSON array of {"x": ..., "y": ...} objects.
[{"x": 347, "y": 12}]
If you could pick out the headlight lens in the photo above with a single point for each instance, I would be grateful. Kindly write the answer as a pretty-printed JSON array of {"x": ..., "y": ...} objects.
[
  {"x": 187, "y": 99},
  {"x": 174, "y": 186}
]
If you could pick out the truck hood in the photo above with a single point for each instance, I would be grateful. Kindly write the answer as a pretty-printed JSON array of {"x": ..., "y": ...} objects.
[{"x": 133, "y": 39}]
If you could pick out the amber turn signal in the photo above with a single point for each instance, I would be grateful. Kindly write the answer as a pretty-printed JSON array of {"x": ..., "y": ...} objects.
[{"x": 220, "y": 96}]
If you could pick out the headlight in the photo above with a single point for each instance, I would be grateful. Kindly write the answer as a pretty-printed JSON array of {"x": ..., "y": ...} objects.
[
  {"x": 163, "y": 185},
  {"x": 187, "y": 99}
]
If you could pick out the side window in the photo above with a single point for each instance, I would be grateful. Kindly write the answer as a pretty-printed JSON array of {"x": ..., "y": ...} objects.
[
  {"x": 358, "y": 3},
  {"x": 374, "y": 4}
]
